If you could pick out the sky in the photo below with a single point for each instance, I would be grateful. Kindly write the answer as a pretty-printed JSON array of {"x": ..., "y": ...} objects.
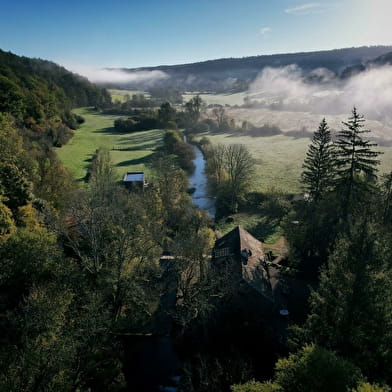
[{"x": 130, "y": 33}]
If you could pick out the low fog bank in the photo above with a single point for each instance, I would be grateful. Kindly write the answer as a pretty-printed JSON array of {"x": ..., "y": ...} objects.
[
  {"x": 117, "y": 76},
  {"x": 296, "y": 102},
  {"x": 321, "y": 92},
  {"x": 303, "y": 124}
]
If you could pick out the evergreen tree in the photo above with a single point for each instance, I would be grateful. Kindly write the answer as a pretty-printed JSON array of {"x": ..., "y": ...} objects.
[
  {"x": 351, "y": 310},
  {"x": 317, "y": 174},
  {"x": 386, "y": 192},
  {"x": 356, "y": 163},
  {"x": 311, "y": 241}
]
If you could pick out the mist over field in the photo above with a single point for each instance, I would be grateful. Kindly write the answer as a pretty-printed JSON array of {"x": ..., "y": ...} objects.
[
  {"x": 293, "y": 100},
  {"x": 321, "y": 92}
]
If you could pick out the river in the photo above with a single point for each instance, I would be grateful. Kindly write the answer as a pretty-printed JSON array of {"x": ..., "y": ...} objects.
[
  {"x": 152, "y": 364},
  {"x": 198, "y": 180}
]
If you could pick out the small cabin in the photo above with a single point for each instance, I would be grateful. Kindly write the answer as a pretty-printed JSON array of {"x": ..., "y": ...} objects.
[{"x": 134, "y": 180}]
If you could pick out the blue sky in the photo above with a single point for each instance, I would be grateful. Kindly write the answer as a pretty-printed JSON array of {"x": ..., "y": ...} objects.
[{"x": 131, "y": 33}]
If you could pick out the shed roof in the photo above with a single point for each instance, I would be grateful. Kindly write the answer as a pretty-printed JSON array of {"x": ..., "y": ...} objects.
[{"x": 134, "y": 176}]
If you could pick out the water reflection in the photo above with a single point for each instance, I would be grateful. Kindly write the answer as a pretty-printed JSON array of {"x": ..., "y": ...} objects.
[{"x": 198, "y": 181}]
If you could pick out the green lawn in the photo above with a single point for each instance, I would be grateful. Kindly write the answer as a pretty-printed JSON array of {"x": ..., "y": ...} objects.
[{"x": 129, "y": 152}]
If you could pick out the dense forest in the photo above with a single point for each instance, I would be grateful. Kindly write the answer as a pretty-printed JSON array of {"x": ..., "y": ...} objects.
[
  {"x": 91, "y": 272},
  {"x": 36, "y": 99}
]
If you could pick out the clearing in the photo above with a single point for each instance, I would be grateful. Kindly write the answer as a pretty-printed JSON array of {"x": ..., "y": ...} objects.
[{"x": 129, "y": 152}]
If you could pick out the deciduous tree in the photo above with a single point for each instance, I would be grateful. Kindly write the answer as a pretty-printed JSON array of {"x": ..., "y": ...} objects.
[{"x": 239, "y": 166}]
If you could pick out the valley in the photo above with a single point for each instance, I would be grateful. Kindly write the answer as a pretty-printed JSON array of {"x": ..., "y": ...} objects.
[{"x": 252, "y": 253}]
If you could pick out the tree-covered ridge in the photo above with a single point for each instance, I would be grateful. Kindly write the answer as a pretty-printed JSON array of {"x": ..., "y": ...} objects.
[
  {"x": 36, "y": 98},
  {"x": 234, "y": 74},
  {"x": 37, "y": 92}
]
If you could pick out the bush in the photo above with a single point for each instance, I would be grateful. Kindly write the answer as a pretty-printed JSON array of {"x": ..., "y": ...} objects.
[
  {"x": 171, "y": 125},
  {"x": 254, "y": 386},
  {"x": 264, "y": 131},
  {"x": 175, "y": 145},
  {"x": 366, "y": 387},
  {"x": 135, "y": 124},
  {"x": 316, "y": 369},
  {"x": 311, "y": 369}
]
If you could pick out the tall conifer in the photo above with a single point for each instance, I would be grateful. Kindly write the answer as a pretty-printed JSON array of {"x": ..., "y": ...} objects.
[
  {"x": 356, "y": 162},
  {"x": 317, "y": 174},
  {"x": 351, "y": 310}
]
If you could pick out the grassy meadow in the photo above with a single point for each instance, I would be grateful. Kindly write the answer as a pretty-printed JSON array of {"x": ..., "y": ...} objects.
[
  {"x": 129, "y": 152},
  {"x": 279, "y": 159}
]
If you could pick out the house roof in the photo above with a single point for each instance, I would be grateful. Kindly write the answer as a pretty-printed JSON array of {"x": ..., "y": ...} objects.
[
  {"x": 236, "y": 241},
  {"x": 133, "y": 176},
  {"x": 248, "y": 255},
  {"x": 263, "y": 276}
]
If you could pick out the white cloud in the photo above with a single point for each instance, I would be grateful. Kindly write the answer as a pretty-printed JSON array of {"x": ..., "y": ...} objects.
[
  {"x": 265, "y": 30},
  {"x": 308, "y": 9}
]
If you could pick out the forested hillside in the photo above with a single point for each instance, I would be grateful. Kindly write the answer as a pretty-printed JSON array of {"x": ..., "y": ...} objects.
[
  {"x": 234, "y": 74},
  {"x": 38, "y": 92},
  {"x": 385, "y": 59},
  {"x": 36, "y": 98}
]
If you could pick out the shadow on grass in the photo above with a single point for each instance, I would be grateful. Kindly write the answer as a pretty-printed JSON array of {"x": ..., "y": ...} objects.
[
  {"x": 107, "y": 131},
  {"x": 91, "y": 111},
  {"x": 142, "y": 137},
  {"x": 149, "y": 146},
  {"x": 263, "y": 229},
  {"x": 136, "y": 161}
]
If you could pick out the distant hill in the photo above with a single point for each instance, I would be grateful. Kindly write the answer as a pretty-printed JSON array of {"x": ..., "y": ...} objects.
[
  {"x": 385, "y": 59},
  {"x": 234, "y": 74}
]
